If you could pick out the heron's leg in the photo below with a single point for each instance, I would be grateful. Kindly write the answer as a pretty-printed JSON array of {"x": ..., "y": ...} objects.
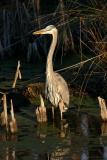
[
  {"x": 61, "y": 107},
  {"x": 53, "y": 112},
  {"x": 61, "y": 110}
]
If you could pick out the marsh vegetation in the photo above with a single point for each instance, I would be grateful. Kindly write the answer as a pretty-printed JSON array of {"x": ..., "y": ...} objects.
[{"x": 80, "y": 57}]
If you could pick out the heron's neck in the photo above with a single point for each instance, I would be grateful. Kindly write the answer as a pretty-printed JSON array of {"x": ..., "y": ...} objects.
[{"x": 49, "y": 67}]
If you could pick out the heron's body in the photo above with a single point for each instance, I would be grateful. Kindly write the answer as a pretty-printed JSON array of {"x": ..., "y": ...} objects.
[{"x": 56, "y": 87}]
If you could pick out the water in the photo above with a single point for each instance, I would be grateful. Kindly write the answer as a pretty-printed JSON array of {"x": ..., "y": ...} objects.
[{"x": 81, "y": 136}]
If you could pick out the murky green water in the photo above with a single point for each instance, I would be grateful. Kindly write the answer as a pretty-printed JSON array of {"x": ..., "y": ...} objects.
[{"x": 79, "y": 137}]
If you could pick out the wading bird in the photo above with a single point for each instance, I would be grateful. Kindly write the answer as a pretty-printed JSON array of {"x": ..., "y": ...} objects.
[{"x": 56, "y": 88}]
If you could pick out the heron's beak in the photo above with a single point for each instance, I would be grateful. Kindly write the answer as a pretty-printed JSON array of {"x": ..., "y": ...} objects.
[{"x": 42, "y": 31}]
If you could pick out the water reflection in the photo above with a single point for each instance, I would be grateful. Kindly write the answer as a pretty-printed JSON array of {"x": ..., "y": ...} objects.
[
  {"x": 10, "y": 153},
  {"x": 103, "y": 140},
  {"x": 44, "y": 156},
  {"x": 79, "y": 141},
  {"x": 84, "y": 125},
  {"x": 85, "y": 154},
  {"x": 7, "y": 137},
  {"x": 53, "y": 139},
  {"x": 104, "y": 128},
  {"x": 76, "y": 138},
  {"x": 85, "y": 131},
  {"x": 7, "y": 151}
]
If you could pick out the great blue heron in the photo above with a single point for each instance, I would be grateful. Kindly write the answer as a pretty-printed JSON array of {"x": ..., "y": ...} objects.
[{"x": 56, "y": 87}]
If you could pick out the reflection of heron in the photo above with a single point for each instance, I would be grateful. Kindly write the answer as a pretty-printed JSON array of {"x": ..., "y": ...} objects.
[{"x": 56, "y": 87}]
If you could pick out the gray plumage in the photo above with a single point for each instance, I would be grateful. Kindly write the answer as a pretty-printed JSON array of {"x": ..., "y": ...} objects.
[{"x": 56, "y": 89}]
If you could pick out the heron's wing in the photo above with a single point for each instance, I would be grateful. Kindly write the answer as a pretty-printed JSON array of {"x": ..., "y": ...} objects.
[{"x": 62, "y": 87}]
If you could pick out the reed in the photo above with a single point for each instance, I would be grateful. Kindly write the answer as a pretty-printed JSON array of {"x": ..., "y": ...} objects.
[
  {"x": 17, "y": 75},
  {"x": 13, "y": 122},
  {"x": 4, "y": 115}
]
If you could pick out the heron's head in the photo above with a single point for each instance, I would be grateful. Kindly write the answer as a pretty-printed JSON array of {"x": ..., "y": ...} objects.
[{"x": 48, "y": 30}]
